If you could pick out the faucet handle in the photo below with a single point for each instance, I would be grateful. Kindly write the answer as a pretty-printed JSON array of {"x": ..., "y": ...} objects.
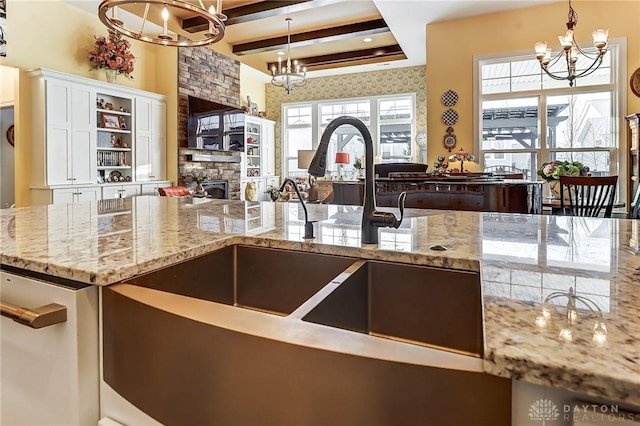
[{"x": 401, "y": 198}]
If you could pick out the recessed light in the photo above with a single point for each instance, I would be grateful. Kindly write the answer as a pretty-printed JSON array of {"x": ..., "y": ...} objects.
[
  {"x": 281, "y": 53},
  {"x": 367, "y": 39}
]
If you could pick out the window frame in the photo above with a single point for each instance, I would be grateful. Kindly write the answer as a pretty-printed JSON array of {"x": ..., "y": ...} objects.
[
  {"x": 617, "y": 88},
  {"x": 317, "y": 125}
]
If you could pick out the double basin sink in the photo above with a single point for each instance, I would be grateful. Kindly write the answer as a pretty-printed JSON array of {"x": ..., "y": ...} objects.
[{"x": 421, "y": 305}]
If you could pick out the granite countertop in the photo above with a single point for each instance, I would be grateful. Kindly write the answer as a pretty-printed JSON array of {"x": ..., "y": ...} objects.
[{"x": 521, "y": 258}]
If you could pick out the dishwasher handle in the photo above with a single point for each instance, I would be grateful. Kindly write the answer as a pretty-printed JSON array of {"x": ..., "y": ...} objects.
[{"x": 42, "y": 316}]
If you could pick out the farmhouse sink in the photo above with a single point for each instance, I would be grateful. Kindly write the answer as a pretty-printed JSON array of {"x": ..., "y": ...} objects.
[
  {"x": 270, "y": 280},
  {"x": 421, "y": 305},
  {"x": 347, "y": 335}
]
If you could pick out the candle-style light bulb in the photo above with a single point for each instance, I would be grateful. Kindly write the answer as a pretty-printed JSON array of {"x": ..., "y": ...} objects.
[{"x": 165, "y": 19}]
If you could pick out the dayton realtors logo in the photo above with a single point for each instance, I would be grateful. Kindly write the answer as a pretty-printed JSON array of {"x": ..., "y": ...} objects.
[{"x": 544, "y": 410}]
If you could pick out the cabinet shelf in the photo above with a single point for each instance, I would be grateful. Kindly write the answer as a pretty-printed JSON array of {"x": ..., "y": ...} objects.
[
  {"x": 113, "y": 167},
  {"x": 114, "y": 112},
  {"x": 105, "y": 148},
  {"x": 107, "y": 129}
]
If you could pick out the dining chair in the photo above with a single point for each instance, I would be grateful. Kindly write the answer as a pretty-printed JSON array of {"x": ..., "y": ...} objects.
[
  {"x": 174, "y": 191},
  {"x": 635, "y": 205},
  {"x": 587, "y": 195}
]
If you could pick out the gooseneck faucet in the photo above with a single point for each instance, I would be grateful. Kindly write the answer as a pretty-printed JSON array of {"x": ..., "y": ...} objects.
[
  {"x": 308, "y": 226},
  {"x": 371, "y": 219}
]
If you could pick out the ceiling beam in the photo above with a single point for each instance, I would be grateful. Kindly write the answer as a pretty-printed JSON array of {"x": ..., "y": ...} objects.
[
  {"x": 255, "y": 11},
  {"x": 343, "y": 58},
  {"x": 359, "y": 29}
]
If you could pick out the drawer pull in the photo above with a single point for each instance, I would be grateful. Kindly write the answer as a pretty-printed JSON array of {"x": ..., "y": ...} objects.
[{"x": 35, "y": 318}]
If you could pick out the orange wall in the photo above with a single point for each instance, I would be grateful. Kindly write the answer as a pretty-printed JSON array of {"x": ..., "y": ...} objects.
[{"x": 451, "y": 46}]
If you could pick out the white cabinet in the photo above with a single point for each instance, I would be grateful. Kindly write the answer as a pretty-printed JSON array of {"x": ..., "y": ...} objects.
[
  {"x": 262, "y": 184},
  {"x": 259, "y": 147},
  {"x": 50, "y": 375},
  {"x": 76, "y": 194},
  {"x": 152, "y": 188},
  {"x": 63, "y": 133},
  {"x": 151, "y": 144},
  {"x": 120, "y": 191},
  {"x": 90, "y": 132}
]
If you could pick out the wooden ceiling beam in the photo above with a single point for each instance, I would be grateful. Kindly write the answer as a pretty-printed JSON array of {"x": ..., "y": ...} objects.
[
  {"x": 255, "y": 11},
  {"x": 341, "y": 59},
  {"x": 359, "y": 29}
]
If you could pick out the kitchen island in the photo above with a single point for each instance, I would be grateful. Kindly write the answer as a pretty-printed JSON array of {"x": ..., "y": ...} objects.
[{"x": 520, "y": 258}]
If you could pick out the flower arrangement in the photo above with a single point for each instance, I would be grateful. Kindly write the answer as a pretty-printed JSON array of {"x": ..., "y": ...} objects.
[
  {"x": 358, "y": 164},
  {"x": 554, "y": 169},
  {"x": 112, "y": 52},
  {"x": 196, "y": 176},
  {"x": 274, "y": 192}
]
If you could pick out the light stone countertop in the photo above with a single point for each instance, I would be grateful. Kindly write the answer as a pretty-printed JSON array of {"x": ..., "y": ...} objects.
[{"x": 521, "y": 258}]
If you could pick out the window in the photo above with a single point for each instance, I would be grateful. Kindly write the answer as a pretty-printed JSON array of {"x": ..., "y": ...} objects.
[
  {"x": 529, "y": 118},
  {"x": 298, "y": 132},
  {"x": 390, "y": 120}
]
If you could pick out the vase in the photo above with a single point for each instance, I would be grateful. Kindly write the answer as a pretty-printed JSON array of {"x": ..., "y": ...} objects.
[
  {"x": 554, "y": 187},
  {"x": 111, "y": 75}
]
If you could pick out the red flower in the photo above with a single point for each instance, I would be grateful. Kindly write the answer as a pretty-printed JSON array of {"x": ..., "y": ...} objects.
[{"x": 112, "y": 53}]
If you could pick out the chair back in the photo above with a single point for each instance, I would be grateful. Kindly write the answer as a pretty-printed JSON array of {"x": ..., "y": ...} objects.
[
  {"x": 635, "y": 205},
  {"x": 174, "y": 191},
  {"x": 587, "y": 195}
]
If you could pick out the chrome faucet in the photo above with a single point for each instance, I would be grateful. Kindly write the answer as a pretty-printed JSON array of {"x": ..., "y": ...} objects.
[
  {"x": 371, "y": 219},
  {"x": 308, "y": 226}
]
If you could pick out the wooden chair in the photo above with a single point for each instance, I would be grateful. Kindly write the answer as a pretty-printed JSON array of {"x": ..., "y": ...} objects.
[
  {"x": 587, "y": 195},
  {"x": 635, "y": 205},
  {"x": 174, "y": 191}
]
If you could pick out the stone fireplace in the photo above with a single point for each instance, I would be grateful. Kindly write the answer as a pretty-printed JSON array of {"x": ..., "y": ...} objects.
[
  {"x": 216, "y": 189},
  {"x": 208, "y": 75}
]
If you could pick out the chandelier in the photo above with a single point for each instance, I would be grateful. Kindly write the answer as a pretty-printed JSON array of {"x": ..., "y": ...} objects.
[
  {"x": 570, "y": 52},
  {"x": 108, "y": 14},
  {"x": 543, "y": 319},
  {"x": 288, "y": 76}
]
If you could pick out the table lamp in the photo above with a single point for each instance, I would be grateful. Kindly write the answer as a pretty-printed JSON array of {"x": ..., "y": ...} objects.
[
  {"x": 342, "y": 158},
  {"x": 462, "y": 156},
  {"x": 304, "y": 160}
]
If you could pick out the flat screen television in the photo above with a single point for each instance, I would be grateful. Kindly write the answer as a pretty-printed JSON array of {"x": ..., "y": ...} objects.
[{"x": 214, "y": 126}]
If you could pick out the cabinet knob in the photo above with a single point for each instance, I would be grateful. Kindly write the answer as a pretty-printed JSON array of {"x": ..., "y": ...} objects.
[{"x": 151, "y": 176}]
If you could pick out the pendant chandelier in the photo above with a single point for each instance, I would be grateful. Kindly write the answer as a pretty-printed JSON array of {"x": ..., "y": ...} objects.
[
  {"x": 108, "y": 14},
  {"x": 288, "y": 75},
  {"x": 571, "y": 52}
]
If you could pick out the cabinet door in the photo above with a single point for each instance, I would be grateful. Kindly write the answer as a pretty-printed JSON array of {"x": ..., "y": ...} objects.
[
  {"x": 74, "y": 195},
  {"x": 70, "y": 138},
  {"x": 158, "y": 148},
  {"x": 152, "y": 188},
  {"x": 49, "y": 375},
  {"x": 83, "y": 138},
  {"x": 150, "y": 139},
  {"x": 58, "y": 132},
  {"x": 268, "y": 149},
  {"x": 88, "y": 194},
  {"x": 120, "y": 191}
]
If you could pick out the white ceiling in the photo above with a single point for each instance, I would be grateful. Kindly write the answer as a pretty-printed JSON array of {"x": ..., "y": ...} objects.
[{"x": 407, "y": 20}]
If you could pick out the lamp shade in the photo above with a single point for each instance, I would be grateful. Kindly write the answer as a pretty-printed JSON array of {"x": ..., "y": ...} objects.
[
  {"x": 304, "y": 158},
  {"x": 342, "y": 158}
]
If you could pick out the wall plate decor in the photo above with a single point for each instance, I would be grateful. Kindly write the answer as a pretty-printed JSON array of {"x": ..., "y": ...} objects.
[
  {"x": 449, "y": 98},
  {"x": 635, "y": 82},
  {"x": 11, "y": 135},
  {"x": 450, "y": 117},
  {"x": 449, "y": 140}
]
